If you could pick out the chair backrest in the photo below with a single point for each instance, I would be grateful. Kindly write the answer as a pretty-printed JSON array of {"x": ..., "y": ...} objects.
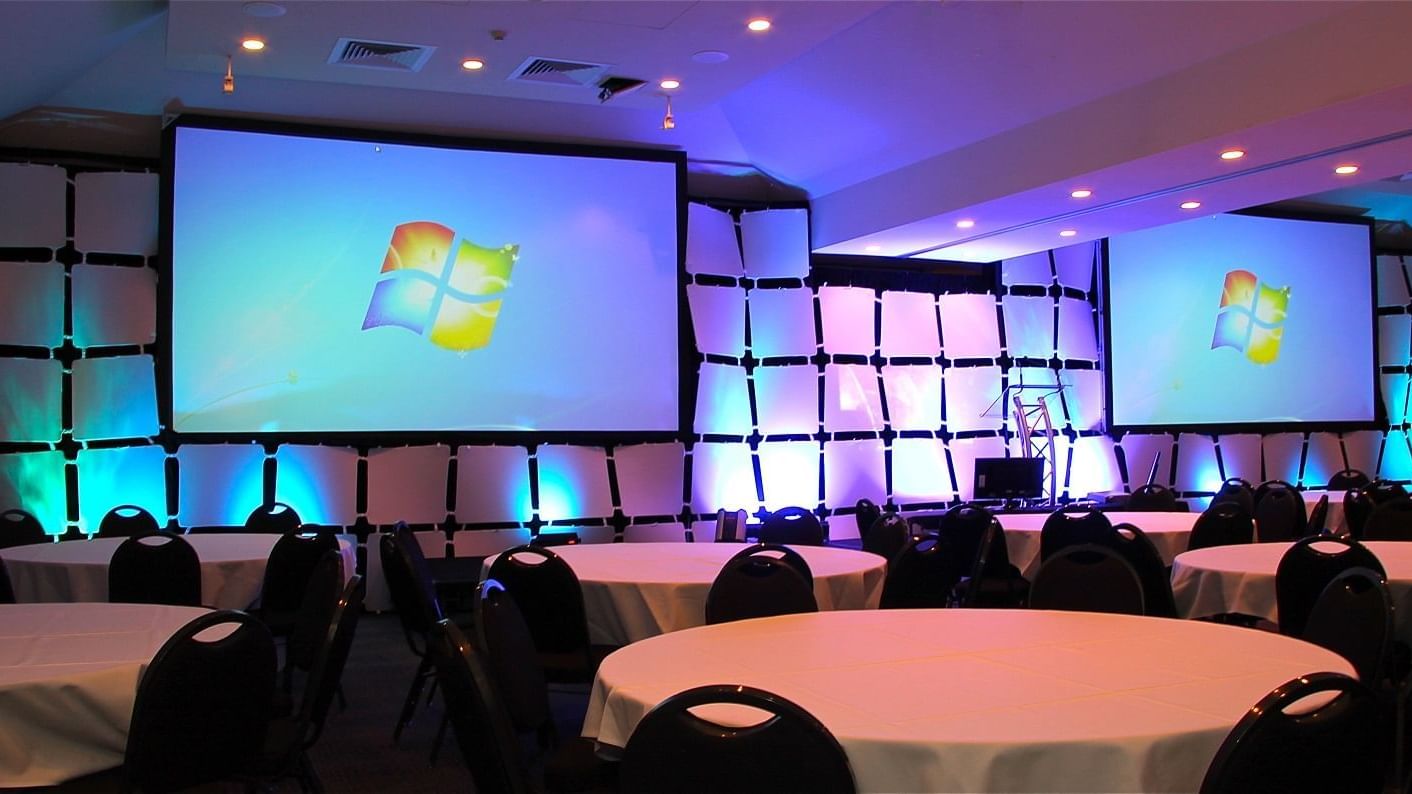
[
  {"x": 510, "y": 658},
  {"x": 292, "y": 561},
  {"x": 275, "y": 518},
  {"x": 993, "y": 581},
  {"x": 1088, "y": 578},
  {"x": 18, "y": 528},
  {"x": 730, "y": 526},
  {"x": 1063, "y": 529},
  {"x": 330, "y": 658},
  {"x": 887, "y": 536},
  {"x": 1348, "y": 478},
  {"x": 1155, "y": 498},
  {"x": 1384, "y": 490},
  {"x": 757, "y": 586},
  {"x": 311, "y": 625},
  {"x": 1222, "y": 524},
  {"x": 155, "y": 568},
  {"x": 487, "y": 739},
  {"x": 782, "y": 553},
  {"x": 922, "y": 575},
  {"x": 410, "y": 584},
  {"x": 1391, "y": 520},
  {"x": 1137, "y": 548},
  {"x": 672, "y": 749},
  {"x": 1357, "y": 506},
  {"x": 1318, "y": 517},
  {"x": 202, "y": 705},
  {"x": 1305, "y": 570},
  {"x": 1236, "y": 490},
  {"x": 963, "y": 527},
  {"x": 794, "y": 526},
  {"x": 867, "y": 514},
  {"x": 1353, "y": 617},
  {"x": 548, "y": 593},
  {"x": 1279, "y": 512},
  {"x": 1339, "y": 746},
  {"x": 125, "y": 521},
  {"x": 7, "y": 591}
]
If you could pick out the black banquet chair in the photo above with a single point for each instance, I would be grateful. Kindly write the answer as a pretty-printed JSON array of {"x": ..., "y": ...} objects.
[
  {"x": 867, "y": 514},
  {"x": 1348, "y": 478},
  {"x": 275, "y": 518},
  {"x": 1235, "y": 490},
  {"x": 792, "y": 526},
  {"x": 291, "y": 563},
  {"x": 126, "y": 521},
  {"x": 1137, "y": 548},
  {"x": 1279, "y": 513},
  {"x": 155, "y": 568},
  {"x": 757, "y": 586},
  {"x": 1155, "y": 498},
  {"x": 784, "y": 554},
  {"x": 413, "y": 594},
  {"x": 1353, "y": 618},
  {"x": 1088, "y": 578},
  {"x": 1307, "y": 567},
  {"x": 923, "y": 575},
  {"x": 1391, "y": 520},
  {"x": 549, "y": 595},
  {"x": 7, "y": 592},
  {"x": 18, "y": 528},
  {"x": 1073, "y": 528},
  {"x": 887, "y": 536},
  {"x": 672, "y": 749},
  {"x": 1222, "y": 524}
]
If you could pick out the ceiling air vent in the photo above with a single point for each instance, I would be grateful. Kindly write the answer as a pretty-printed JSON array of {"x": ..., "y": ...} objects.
[
  {"x": 556, "y": 71},
  {"x": 387, "y": 55}
]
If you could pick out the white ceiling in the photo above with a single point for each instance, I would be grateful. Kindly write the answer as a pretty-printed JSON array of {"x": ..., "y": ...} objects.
[{"x": 895, "y": 119}]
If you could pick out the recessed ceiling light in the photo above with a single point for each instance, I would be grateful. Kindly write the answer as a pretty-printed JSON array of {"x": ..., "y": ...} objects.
[
  {"x": 473, "y": 64},
  {"x": 1190, "y": 205},
  {"x": 263, "y": 9},
  {"x": 758, "y": 24},
  {"x": 871, "y": 248},
  {"x": 1082, "y": 192},
  {"x": 669, "y": 84},
  {"x": 1068, "y": 233},
  {"x": 253, "y": 44},
  {"x": 1232, "y": 154},
  {"x": 1346, "y": 169},
  {"x": 965, "y": 223},
  {"x": 710, "y": 56}
]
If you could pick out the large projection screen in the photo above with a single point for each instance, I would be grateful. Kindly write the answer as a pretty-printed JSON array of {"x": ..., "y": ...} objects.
[
  {"x": 1241, "y": 320},
  {"x": 336, "y": 285}
]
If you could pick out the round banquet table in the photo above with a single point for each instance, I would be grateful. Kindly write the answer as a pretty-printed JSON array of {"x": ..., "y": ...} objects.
[
  {"x": 232, "y": 568},
  {"x": 1242, "y": 579},
  {"x": 980, "y": 700},
  {"x": 68, "y": 679},
  {"x": 1169, "y": 532},
  {"x": 632, "y": 591}
]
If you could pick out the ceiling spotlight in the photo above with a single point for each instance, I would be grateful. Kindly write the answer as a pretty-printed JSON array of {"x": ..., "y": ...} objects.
[
  {"x": 965, "y": 223},
  {"x": 1345, "y": 170},
  {"x": 1068, "y": 233},
  {"x": 872, "y": 248},
  {"x": 1190, "y": 205},
  {"x": 669, "y": 123},
  {"x": 758, "y": 24},
  {"x": 473, "y": 64},
  {"x": 669, "y": 84},
  {"x": 1082, "y": 192},
  {"x": 228, "y": 84},
  {"x": 253, "y": 44},
  {"x": 1232, "y": 154}
]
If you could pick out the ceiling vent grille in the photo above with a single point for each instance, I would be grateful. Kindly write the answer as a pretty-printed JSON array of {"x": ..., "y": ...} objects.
[
  {"x": 557, "y": 71},
  {"x": 387, "y": 55}
]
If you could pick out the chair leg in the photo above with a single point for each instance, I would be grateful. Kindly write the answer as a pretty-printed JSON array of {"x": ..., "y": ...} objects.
[
  {"x": 308, "y": 776},
  {"x": 440, "y": 737},
  {"x": 342, "y": 701},
  {"x": 410, "y": 704}
]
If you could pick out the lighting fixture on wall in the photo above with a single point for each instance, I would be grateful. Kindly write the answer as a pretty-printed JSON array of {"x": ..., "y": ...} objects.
[
  {"x": 669, "y": 123},
  {"x": 228, "y": 84}
]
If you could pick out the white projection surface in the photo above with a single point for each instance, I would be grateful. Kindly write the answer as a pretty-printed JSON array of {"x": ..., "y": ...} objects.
[
  {"x": 334, "y": 285},
  {"x": 1236, "y": 319}
]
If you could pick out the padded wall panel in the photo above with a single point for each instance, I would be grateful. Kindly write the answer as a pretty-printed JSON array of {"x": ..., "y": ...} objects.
[
  {"x": 1323, "y": 460},
  {"x": 787, "y": 399},
  {"x": 775, "y": 243},
  {"x": 485, "y": 542},
  {"x": 650, "y": 478},
  {"x": 30, "y": 406},
  {"x": 913, "y": 395},
  {"x": 1392, "y": 282},
  {"x": 654, "y": 533},
  {"x": 842, "y": 527},
  {"x": 969, "y": 328},
  {"x": 718, "y": 319},
  {"x": 969, "y": 394},
  {"x": 1396, "y": 463},
  {"x": 909, "y": 326},
  {"x": 320, "y": 483},
  {"x": 1240, "y": 457},
  {"x": 1029, "y": 269},
  {"x": 492, "y": 485},
  {"x": 1197, "y": 469},
  {"x": 573, "y": 483},
  {"x": 1361, "y": 448},
  {"x": 219, "y": 484},
  {"x": 122, "y": 476},
  {"x": 964, "y": 452},
  {"x": 587, "y": 534},
  {"x": 703, "y": 531},
  {"x": 851, "y": 398},
  {"x": 789, "y": 471},
  {"x": 34, "y": 482},
  {"x": 1394, "y": 392},
  {"x": 115, "y": 397},
  {"x": 408, "y": 484},
  {"x": 1074, "y": 265},
  {"x": 1029, "y": 326},
  {"x": 1395, "y": 340},
  {"x": 722, "y": 400},
  {"x": 1139, "y": 451},
  {"x": 1083, "y": 397},
  {"x": 1093, "y": 467},
  {"x": 1283, "y": 453},
  {"x": 722, "y": 476},
  {"x": 710, "y": 242},
  {"x": 32, "y": 304},
  {"x": 33, "y": 205},
  {"x": 114, "y": 305},
  {"x": 782, "y": 323},
  {"x": 920, "y": 471},
  {"x": 854, "y": 470},
  {"x": 847, "y": 314},
  {"x": 116, "y": 213},
  {"x": 1077, "y": 338}
]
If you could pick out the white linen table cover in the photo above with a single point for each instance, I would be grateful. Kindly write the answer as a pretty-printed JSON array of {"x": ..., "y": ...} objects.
[
  {"x": 1334, "y": 519},
  {"x": 980, "y": 700},
  {"x": 632, "y": 591},
  {"x": 68, "y": 680},
  {"x": 232, "y": 568},
  {"x": 1241, "y": 578},
  {"x": 1169, "y": 532}
]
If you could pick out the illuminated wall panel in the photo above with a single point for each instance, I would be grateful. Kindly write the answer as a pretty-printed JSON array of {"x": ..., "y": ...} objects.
[
  {"x": 1049, "y": 391},
  {"x": 1394, "y": 340},
  {"x": 718, "y": 318},
  {"x": 969, "y": 394},
  {"x": 32, "y": 304},
  {"x": 121, "y": 476},
  {"x": 1396, "y": 463},
  {"x": 33, "y": 205},
  {"x": 789, "y": 471},
  {"x": 1196, "y": 464},
  {"x": 1361, "y": 449},
  {"x": 847, "y": 314},
  {"x": 964, "y": 452},
  {"x": 34, "y": 482},
  {"x": 1283, "y": 453},
  {"x": 408, "y": 484},
  {"x": 703, "y": 531},
  {"x": 30, "y": 408},
  {"x": 1076, "y": 330},
  {"x": 851, "y": 398},
  {"x": 843, "y": 527},
  {"x": 1074, "y": 265},
  {"x": 1240, "y": 457},
  {"x": 969, "y": 328},
  {"x": 854, "y": 470},
  {"x": 1394, "y": 391},
  {"x": 492, "y": 485},
  {"x": 775, "y": 243},
  {"x": 654, "y": 533},
  {"x": 116, "y": 213},
  {"x": 1029, "y": 326},
  {"x": 909, "y": 325},
  {"x": 722, "y": 401},
  {"x": 1093, "y": 467},
  {"x": 485, "y": 542},
  {"x": 320, "y": 483},
  {"x": 1030, "y": 269},
  {"x": 920, "y": 472},
  {"x": 650, "y": 478},
  {"x": 782, "y": 323},
  {"x": 115, "y": 397},
  {"x": 1323, "y": 460},
  {"x": 787, "y": 399},
  {"x": 913, "y": 396},
  {"x": 1083, "y": 397},
  {"x": 573, "y": 483},
  {"x": 1392, "y": 282},
  {"x": 1139, "y": 450},
  {"x": 722, "y": 476},
  {"x": 219, "y": 484},
  {"x": 710, "y": 242},
  {"x": 114, "y": 305}
]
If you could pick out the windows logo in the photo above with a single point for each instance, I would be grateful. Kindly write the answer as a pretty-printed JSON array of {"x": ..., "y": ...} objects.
[
  {"x": 453, "y": 301},
  {"x": 1251, "y": 317}
]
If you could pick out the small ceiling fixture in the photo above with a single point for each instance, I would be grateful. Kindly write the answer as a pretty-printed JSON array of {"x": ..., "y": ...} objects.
[
  {"x": 872, "y": 248},
  {"x": 669, "y": 123},
  {"x": 263, "y": 9},
  {"x": 669, "y": 84},
  {"x": 473, "y": 64},
  {"x": 710, "y": 56},
  {"x": 253, "y": 44},
  {"x": 1068, "y": 233},
  {"x": 228, "y": 84},
  {"x": 758, "y": 24},
  {"x": 1082, "y": 192},
  {"x": 1232, "y": 154},
  {"x": 965, "y": 223},
  {"x": 1345, "y": 170},
  {"x": 1190, "y": 205}
]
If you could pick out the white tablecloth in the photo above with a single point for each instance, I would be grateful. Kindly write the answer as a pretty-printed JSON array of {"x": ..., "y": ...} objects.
[
  {"x": 981, "y": 700},
  {"x": 1334, "y": 520},
  {"x": 68, "y": 679},
  {"x": 1242, "y": 579},
  {"x": 232, "y": 568},
  {"x": 632, "y": 591},
  {"x": 1169, "y": 532}
]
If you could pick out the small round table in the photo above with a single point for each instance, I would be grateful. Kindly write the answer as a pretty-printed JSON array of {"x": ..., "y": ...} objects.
[
  {"x": 632, "y": 591},
  {"x": 1169, "y": 532},
  {"x": 68, "y": 680},
  {"x": 980, "y": 700}
]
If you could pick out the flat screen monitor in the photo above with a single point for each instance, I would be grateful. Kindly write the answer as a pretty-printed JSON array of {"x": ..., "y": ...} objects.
[
  {"x": 1009, "y": 478},
  {"x": 1235, "y": 320},
  {"x": 359, "y": 284}
]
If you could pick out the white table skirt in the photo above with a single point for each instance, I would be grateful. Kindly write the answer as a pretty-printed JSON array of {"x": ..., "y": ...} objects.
[
  {"x": 1334, "y": 519},
  {"x": 1242, "y": 579},
  {"x": 980, "y": 700},
  {"x": 1169, "y": 532},
  {"x": 232, "y": 568},
  {"x": 632, "y": 591},
  {"x": 68, "y": 680}
]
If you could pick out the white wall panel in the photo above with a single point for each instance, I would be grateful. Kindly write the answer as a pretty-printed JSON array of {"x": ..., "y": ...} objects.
[
  {"x": 789, "y": 471},
  {"x": 920, "y": 472},
  {"x": 969, "y": 394},
  {"x": 1077, "y": 338},
  {"x": 775, "y": 243},
  {"x": 408, "y": 484},
  {"x": 913, "y": 396},
  {"x": 1323, "y": 460},
  {"x": 573, "y": 483},
  {"x": 1029, "y": 269},
  {"x": 1197, "y": 469},
  {"x": 1240, "y": 457},
  {"x": 1395, "y": 340},
  {"x": 114, "y": 305},
  {"x": 116, "y": 213},
  {"x": 787, "y": 399},
  {"x": 650, "y": 478},
  {"x": 1093, "y": 467},
  {"x": 34, "y": 482},
  {"x": 1361, "y": 449},
  {"x": 1392, "y": 282},
  {"x": 710, "y": 242},
  {"x": 782, "y": 323},
  {"x": 30, "y": 405},
  {"x": 722, "y": 400},
  {"x": 1394, "y": 390},
  {"x": 32, "y": 304},
  {"x": 654, "y": 533},
  {"x": 1029, "y": 326},
  {"x": 1283, "y": 452},
  {"x": 1049, "y": 391},
  {"x": 1074, "y": 264},
  {"x": 114, "y": 397},
  {"x": 722, "y": 476},
  {"x": 1396, "y": 463},
  {"x": 851, "y": 398},
  {"x": 320, "y": 483},
  {"x": 1139, "y": 450},
  {"x": 847, "y": 314},
  {"x": 909, "y": 325},
  {"x": 718, "y": 319},
  {"x": 854, "y": 470},
  {"x": 121, "y": 476},
  {"x": 969, "y": 328},
  {"x": 485, "y": 542},
  {"x": 219, "y": 484},
  {"x": 33, "y": 205},
  {"x": 1083, "y": 397},
  {"x": 492, "y": 485}
]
